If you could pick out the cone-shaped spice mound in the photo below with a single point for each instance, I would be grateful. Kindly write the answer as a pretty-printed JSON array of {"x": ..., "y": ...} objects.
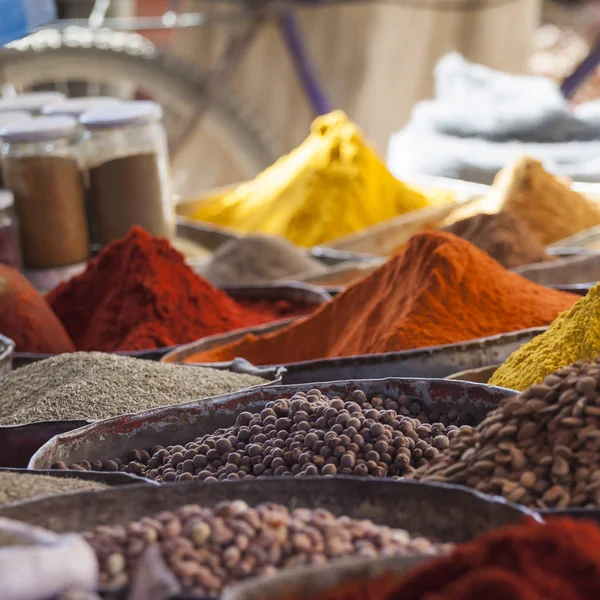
[
  {"x": 548, "y": 205},
  {"x": 574, "y": 335},
  {"x": 540, "y": 448},
  {"x": 139, "y": 293},
  {"x": 26, "y": 318},
  {"x": 441, "y": 290}
]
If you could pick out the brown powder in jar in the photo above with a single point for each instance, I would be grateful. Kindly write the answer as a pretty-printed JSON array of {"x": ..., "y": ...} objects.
[
  {"x": 505, "y": 237},
  {"x": 49, "y": 203},
  {"x": 128, "y": 191}
]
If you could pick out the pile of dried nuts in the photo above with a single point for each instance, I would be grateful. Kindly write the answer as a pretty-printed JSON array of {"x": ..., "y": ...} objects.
[
  {"x": 540, "y": 448},
  {"x": 209, "y": 548},
  {"x": 308, "y": 434}
]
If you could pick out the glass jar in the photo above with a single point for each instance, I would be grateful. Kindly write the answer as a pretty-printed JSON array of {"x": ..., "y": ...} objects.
[
  {"x": 32, "y": 102},
  {"x": 8, "y": 118},
  {"x": 125, "y": 149},
  {"x": 10, "y": 252},
  {"x": 39, "y": 162}
]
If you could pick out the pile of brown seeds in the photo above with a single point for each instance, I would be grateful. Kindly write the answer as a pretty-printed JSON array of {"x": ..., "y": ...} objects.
[
  {"x": 308, "y": 434},
  {"x": 15, "y": 487},
  {"x": 97, "y": 385},
  {"x": 540, "y": 448},
  {"x": 209, "y": 548}
]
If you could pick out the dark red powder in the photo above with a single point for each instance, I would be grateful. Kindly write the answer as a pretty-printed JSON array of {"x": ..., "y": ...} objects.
[{"x": 138, "y": 293}]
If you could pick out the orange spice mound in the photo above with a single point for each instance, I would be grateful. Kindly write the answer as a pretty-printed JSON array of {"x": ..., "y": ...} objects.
[
  {"x": 440, "y": 290},
  {"x": 26, "y": 317}
]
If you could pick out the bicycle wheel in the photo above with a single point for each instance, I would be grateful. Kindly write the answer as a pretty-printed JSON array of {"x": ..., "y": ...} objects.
[{"x": 225, "y": 147}]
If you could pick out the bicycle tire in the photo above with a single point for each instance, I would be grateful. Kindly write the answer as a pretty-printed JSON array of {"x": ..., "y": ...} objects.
[{"x": 81, "y": 53}]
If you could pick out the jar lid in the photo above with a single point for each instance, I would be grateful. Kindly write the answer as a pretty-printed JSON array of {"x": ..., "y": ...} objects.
[
  {"x": 125, "y": 114},
  {"x": 74, "y": 107},
  {"x": 6, "y": 199},
  {"x": 31, "y": 102},
  {"x": 39, "y": 129},
  {"x": 14, "y": 116}
]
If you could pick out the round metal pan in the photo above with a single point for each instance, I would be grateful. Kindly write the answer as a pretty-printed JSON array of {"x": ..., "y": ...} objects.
[
  {"x": 181, "y": 423},
  {"x": 309, "y": 581},
  {"x": 481, "y": 375},
  {"x": 7, "y": 347},
  {"x": 437, "y": 361},
  {"x": 18, "y": 443},
  {"x": 444, "y": 512},
  {"x": 110, "y": 479},
  {"x": 295, "y": 292}
]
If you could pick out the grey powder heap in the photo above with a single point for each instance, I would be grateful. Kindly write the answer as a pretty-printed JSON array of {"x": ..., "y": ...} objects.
[
  {"x": 259, "y": 258},
  {"x": 94, "y": 385},
  {"x": 15, "y": 487}
]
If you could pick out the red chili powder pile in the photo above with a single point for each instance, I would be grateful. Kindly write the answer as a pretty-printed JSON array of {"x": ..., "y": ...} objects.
[
  {"x": 440, "y": 290},
  {"x": 139, "y": 293}
]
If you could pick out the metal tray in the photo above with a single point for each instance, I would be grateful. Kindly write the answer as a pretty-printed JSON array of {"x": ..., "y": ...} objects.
[
  {"x": 309, "y": 581},
  {"x": 18, "y": 443},
  {"x": 445, "y": 512},
  {"x": 581, "y": 269},
  {"x": 181, "y": 423},
  {"x": 584, "y": 239},
  {"x": 481, "y": 375},
  {"x": 300, "y": 293},
  {"x": 7, "y": 348},
  {"x": 111, "y": 479},
  {"x": 212, "y": 236},
  {"x": 437, "y": 361},
  {"x": 592, "y": 514}
]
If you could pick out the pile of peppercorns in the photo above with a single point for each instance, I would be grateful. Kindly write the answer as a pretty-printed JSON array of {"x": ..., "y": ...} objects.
[{"x": 309, "y": 434}]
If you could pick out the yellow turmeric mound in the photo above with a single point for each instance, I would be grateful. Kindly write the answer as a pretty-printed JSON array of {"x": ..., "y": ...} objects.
[
  {"x": 332, "y": 185},
  {"x": 546, "y": 203},
  {"x": 572, "y": 336}
]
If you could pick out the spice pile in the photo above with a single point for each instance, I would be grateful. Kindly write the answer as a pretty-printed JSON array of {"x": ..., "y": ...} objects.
[
  {"x": 540, "y": 448},
  {"x": 307, "y": 435},
  {"x": 259, "y": 258},
  {"x": 506, "y": 238},
  {"x": 530, "y": 561},
  {"x": 139, "y": 293},
  {"x": 15, "y": 487},
  {"x": 26, "y": 318},
  {"x": 94, "y": 385},
  {"x": 332, "y": 185},
  {"x": 574, "y": 335},
  {"x": 440, "y": 290},
  {"x": 551, "y": 209},
  {"x": 234, "y": 541}
]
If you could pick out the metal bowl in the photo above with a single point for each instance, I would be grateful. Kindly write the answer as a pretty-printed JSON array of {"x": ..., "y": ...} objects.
[
  {"x": 110, "y": 479},
  {"x": 183, "y": 422},
  {"x": 481, "y": 375},
  {"x": 440, "y": 511},
  {"x": 436, "y": 361},
  {"x": 7, "y": 348},
  {"x": 309, "y": 581},
  {"x": 18, "y": 443},
  {"x": 297, "y": 293}
]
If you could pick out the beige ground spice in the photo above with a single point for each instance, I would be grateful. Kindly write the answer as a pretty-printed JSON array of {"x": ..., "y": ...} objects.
[
  {"x": 96, "y": 385},
  {"x": 15, "y": 487}
]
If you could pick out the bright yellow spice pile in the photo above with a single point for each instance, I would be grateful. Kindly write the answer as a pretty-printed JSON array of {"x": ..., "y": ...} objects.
[
  {"x": 572, "y": 336},
  {"x": 332, "y": 185}
]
